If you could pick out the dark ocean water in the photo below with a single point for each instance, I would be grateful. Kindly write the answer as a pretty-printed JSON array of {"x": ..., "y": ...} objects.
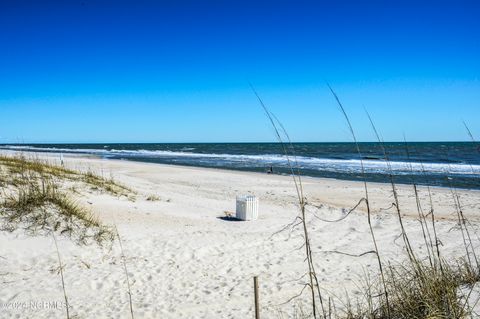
[{"x": 454, "y": 164}]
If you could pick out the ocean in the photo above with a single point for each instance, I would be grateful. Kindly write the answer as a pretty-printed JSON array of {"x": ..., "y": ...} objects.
[{"x": 448, "y": 164}]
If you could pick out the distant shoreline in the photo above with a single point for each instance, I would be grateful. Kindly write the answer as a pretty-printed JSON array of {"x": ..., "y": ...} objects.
[
  {"x": 79, "y": 156},
  {"x": 452, "y": 164}
]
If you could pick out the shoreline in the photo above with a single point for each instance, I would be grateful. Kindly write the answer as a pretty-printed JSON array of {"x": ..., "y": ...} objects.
[{"x": 56, "y": 155}]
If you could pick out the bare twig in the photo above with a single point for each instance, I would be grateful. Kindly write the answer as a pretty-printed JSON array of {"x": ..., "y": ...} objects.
[
  {"x": 61, "y": 275},
  {"x": 126, "y": 272}
]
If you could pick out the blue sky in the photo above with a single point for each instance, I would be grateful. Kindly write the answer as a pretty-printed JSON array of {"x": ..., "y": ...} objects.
[{"x": 178, "y": 71}]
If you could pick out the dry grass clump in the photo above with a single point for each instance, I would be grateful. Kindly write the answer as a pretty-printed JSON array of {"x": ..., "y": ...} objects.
[
  {"x": 427, "y": 292},
  {"x": 20, "y": 165},
  {"x": 42, "y": 208},
  {"x": 418, "y": 291},
  {"x": 33, "y": 199},
  {"x": 109, "y": 185}
]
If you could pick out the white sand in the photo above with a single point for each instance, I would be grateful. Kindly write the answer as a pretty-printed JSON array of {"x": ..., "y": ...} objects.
[{"x": 186, "y": 262}]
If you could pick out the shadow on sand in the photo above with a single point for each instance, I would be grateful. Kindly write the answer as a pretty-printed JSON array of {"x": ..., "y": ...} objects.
[{"x": 229, "y": 219}]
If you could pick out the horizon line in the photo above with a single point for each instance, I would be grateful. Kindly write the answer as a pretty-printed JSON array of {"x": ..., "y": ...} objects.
[{"x": 263, "y": 142}]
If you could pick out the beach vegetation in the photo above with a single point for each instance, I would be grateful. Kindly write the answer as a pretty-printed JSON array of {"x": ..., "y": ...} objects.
[
  {"x": 426, "y": 285},
  {"x": 37, "y": 197}
]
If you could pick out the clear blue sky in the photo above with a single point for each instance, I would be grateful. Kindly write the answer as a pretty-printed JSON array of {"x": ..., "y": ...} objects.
[{"x": 178, "y": 71}]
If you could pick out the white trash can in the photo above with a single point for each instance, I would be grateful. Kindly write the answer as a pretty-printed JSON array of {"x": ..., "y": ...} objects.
[{"x": 247, "y": 207}]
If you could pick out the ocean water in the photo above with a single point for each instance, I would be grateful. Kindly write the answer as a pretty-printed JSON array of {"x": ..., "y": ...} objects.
[{"x": 450, "y": 164}]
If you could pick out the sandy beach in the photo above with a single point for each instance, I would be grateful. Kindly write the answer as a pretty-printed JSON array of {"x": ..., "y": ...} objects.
[
  {"x": 137, "y": 138},
  {"x": 186, "y": 260}
]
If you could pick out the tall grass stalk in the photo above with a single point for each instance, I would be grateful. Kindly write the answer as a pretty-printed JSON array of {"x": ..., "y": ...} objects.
[
  {"x": 431, "y": 213},
  {"x": 367, "y": 202},
  {"x": 410, "y": 252},
  {"x": 312, "y": 275},
  {"x": 421, "y": 216}
]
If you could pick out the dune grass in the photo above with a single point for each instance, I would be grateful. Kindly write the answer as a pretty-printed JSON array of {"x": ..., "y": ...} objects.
[
  {"x": 34, "y": 198},
  {"x": 20, "y": 165},
  {"x": 43, "y": 208},
  {"x": 417, "y": 290}
]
